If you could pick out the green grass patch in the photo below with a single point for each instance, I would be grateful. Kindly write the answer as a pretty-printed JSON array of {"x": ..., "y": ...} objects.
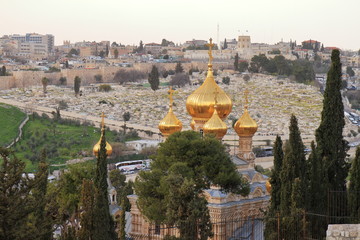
[
  {"x": 62, "y": 140},
  {"x": 10, "y": 120}
]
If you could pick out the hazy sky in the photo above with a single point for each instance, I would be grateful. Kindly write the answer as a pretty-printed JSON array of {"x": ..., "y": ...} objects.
[{"x": 333, "y": 22}]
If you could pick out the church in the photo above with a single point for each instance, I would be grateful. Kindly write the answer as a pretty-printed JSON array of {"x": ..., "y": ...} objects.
[{"x": 208, "y": 107}]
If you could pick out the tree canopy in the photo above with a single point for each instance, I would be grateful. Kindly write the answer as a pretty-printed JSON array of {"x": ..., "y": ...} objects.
[{"x": 184, "y": 166}]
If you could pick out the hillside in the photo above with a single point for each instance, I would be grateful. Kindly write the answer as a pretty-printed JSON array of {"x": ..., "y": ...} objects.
[{"x": 10, "y": 120}]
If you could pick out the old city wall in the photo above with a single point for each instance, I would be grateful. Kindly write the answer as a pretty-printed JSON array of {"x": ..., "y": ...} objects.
[{"x": 23, "y": 79}]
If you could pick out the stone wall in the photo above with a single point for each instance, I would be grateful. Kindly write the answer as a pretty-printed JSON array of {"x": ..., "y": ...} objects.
[
  {"x": 343, "y": 232},
  {"x": 23, "y": 79}
]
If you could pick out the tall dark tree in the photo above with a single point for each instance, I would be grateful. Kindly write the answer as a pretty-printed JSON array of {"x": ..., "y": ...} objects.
[
  {"x": 87, "y": 218},
  {"x": 126, "y": 117},
  {"x": 179, "y": 68},
  {"x": 15, "y": 199},
  {"x": 331, "y": 145},
  {"x": 141, "y": 47},
  {"x": 104, "y": 228},
  {"x": 107, "y": 50},
  {"x": 77, "y": 82},
  {"x": 44, "y": 82},
  {"x": 3, "y": 71},
  {"x": 275, "y": 181},
  {"x": 354, "y": 188},
  {"x": 236, "y": 62},
  {"x": 154, "y": 78},
  {"x": 293, "y": 167},
  {"x": 116, "y": 53},
  {"x": 225, "y": 44},
  {"x": 40, "y": 217},
  {"x": 121, "y": 222}
]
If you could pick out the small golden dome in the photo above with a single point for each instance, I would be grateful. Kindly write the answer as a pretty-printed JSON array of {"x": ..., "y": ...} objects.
[
  {"x": 200, "y": 104},
  {"x": 215, "y": 126},
  {"x": 96, "y": 147},
  {"x": 268, "y": 186},
  {"x": 192, "y": 124},
  {"x": 246, "y": 126},
  {"x": 170, "y": 124}
]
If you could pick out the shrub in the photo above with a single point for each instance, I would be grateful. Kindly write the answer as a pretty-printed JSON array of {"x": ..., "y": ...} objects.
[{"x": 105, "y": 88}]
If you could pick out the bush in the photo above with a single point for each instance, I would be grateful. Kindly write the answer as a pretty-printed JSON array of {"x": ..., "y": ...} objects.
[
  {"x": 123, "y": 76},
  {"x": 226, "y": 80},
  {"x": 180, "y": 79},
  {"x": 105, "y": 88}
]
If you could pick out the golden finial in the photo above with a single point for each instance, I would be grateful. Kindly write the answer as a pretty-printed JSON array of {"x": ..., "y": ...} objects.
[
  {"x": 246, "y": 92},
  {"x": 102, "y": 120},
  {"x": 210, "y": 45},
  {"x": 171, "y": 91}
]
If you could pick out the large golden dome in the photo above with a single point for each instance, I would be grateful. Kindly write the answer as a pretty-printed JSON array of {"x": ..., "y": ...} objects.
[
  {"x": 200, "y": 104},
  {"x": 215, "y": 126},
  {"x": 246, "y": 126},
  {"x": 96, "y": 147},
  {"x": 170, "y": 123}
]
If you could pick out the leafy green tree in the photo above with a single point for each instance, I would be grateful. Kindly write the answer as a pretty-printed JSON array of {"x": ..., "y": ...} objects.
[
  {"x": 179, "y": 68},
  {"x": 15, "y": 199},
  {"x": 331, "y": 145},
  {"x": 282, "y": 65},
  {"x": 126, "y": 117},
  {"x": 77, "y": 82},
  {"x": 350, "y": 71},
  {"x": 184, "y": 166},
  {"x": 226, "y": 80},
  {"x": 116, "y": 53},
  {"x": 44, "y": 82},
  {"x": 354, "y": 188},
  {"x": 154, "y": 78},
  {"x": 294, "y": 166},
  {"x": 303, "y": 71},
  {"x": 104, "y": 228},
  {"x": 236, "y": 62},
  {"x": 258, "y": 63},
  {"x": 62, "y": 80},
  {"x": 243, "y": 66},
  {"x": 87, "y": 217},
  {"x": 98, "y": 78},
  {"x": 73, "y": 52},
  {"x": 180, "y": 79}
]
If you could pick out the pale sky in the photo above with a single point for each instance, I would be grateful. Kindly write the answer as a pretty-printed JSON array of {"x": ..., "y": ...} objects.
[{"x": 332, "y": 22}]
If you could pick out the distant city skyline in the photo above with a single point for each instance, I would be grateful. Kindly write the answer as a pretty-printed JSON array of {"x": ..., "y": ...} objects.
[{"x": 331, "y": 22}]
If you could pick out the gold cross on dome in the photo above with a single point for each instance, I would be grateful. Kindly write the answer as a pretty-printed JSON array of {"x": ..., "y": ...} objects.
[
  {"x": 171, "y": 91},
  {"x": 246, "y": 92},
  {"x": 210, "y": 45},
  {"x": 102, "y": 119}
]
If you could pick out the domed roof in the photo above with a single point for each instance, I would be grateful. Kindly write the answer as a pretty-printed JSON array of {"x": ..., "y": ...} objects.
[
  {"x": 215, "y": 126},
  {"x": 96, "y": 147},
  {"x": 192, "y": 124},
  {"x": 246, "y": 126},
  {"x": 200, "y": 104},
  {"x": 170, "y": 123}
]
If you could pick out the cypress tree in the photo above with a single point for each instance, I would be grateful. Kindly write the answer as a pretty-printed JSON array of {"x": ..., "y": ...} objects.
[
  {"x": 354, "y": 188},
  {"x": 122, "y": 222},
  {"x": 87, "y": 218},
  {"x": 42, "y": 224},
  {"x": 293, "y": 167},
  {"x": 104, "y": 224},
  {"x": 236, "y": 62},
  {"x": 77, "y": 82},
  {"x": 15, "y": 199},
  {"x": 179, "y": 68},
  {"x": 154, "y": 78},
  {"x": 275, "y": 181},
  {"x": 331, "y": 145}
]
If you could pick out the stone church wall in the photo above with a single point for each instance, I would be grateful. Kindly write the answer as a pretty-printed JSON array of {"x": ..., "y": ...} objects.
[{"x": 343, "y": 232}]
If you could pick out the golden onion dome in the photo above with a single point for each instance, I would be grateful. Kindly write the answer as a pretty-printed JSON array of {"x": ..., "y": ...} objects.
[
  {"x": 246, "y": 126},
  {"x": 96, "y": 147},
  {"x": 268, "y": 186},
  {"x": 192, "y": 124},
  {"x": 200, "y": 104},
  {"x": 170, "y": 124},
  {"x": 215, "y": 126}
]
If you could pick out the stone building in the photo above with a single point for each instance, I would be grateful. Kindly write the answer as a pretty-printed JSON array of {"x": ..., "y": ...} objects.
[{"x": 208, "y": 106}]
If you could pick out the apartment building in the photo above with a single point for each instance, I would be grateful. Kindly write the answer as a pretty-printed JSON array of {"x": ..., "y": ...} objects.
[{"x": 34, "y": 44}]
